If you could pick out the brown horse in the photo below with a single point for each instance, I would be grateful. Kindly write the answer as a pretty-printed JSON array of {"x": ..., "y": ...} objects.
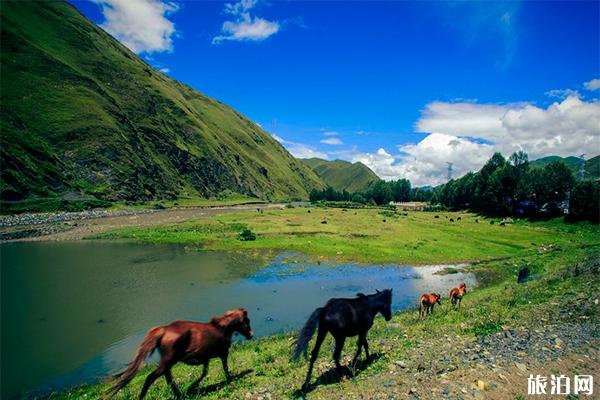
[
  {"x": 193, "y": 343},
  {"x": 427, "y": 302},
  {"x": 456, "y": 294}
]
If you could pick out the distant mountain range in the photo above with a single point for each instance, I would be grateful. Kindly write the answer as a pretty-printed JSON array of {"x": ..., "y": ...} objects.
[
  {"x": 592, "y": 165},
  {"x": 81, "y": 114},
  {"x": 342, "y": 175}
]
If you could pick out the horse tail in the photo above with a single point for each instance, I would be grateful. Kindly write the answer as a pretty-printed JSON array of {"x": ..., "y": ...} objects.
[
  {"x": 306, "y": 333},
  {"x": 145, "y": 349}
]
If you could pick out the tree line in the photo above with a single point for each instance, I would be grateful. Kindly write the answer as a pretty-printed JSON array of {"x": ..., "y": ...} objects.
[{"x": 501, "y": 188}]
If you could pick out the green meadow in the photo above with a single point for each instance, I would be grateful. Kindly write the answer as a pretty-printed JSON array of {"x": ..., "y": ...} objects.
[{"x": 366, "y": 235}]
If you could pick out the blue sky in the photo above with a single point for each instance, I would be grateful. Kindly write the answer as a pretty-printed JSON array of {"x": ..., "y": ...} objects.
[{"x": 401, "y": 86}]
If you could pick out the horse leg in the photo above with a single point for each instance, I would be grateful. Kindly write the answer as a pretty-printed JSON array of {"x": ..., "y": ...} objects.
[
  {"x": 171, "y": 382},
  {"x": 225, "y": 367},
  {"x": 339, "y": 345},
  {"x": 194, "y": 384},
  {"x": 366, "y": 345},
  {"x": 313, "y": 356},
  {"x": 154, "y": 375},
  {"x": 362, "y": 342},
  {"x": 421, "y": 311}
]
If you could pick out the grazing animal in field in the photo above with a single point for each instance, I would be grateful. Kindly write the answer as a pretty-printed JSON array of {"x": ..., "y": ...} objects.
[
  {"x": 456, "y": 294},
  {"x": 451, "y": 219},
  {"x": 427, "y": 302},
  {"x": 193, "y": 343},
  {"x": 458, "y": 219},
  {"x": 343, "y": 318}
]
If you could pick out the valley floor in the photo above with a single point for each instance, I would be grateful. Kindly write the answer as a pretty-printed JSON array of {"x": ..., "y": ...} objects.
[{"x": 504, "y": 332}]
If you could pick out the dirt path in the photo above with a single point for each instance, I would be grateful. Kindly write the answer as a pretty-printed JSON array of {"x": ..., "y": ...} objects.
[{"x": 81, "y": 228}]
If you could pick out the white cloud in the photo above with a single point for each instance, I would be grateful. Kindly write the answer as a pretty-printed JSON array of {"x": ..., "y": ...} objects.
[
  {"x": 329, "y": 133},
  {"x": 424, "y": 163},
  {"x": 141, "y": 25},
  {"x": 563, "y": 128},
  {"x": 165, "y": 70},
  {"x": 332, "y": 141},
  {"x": 562, "y": 93},
  {"x": 245, "y": 26},
  {"x": 594, "y": 84},
  {"x": 300, "y": 150},
  {"x": 467, "y": 134}
]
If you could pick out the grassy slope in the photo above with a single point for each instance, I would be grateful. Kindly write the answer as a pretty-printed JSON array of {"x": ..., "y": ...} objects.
[
  {"x": 592, "y": 165},
  {"x": 341, "y": 174},
  {"x": 359, "y": 235},
  {"x": 81, "y": 113},
  {"x": 501, "y": 304}
]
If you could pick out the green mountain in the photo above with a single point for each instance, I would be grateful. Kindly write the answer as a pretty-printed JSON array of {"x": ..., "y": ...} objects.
[
  {"x": 81, "y": 114},
  {"x": 342, "y": 175},
  {"x": 592, "y": 165}
]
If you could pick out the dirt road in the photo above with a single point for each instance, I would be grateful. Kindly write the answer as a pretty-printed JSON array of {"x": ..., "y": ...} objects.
[{"x": 76, "y": 229}]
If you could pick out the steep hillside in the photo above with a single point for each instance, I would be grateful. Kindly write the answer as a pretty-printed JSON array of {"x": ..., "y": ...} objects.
[
  {"x": 81, "y": 114},
  {"x": 341, "y": 174},
  {"x": 592, "y": 165}
]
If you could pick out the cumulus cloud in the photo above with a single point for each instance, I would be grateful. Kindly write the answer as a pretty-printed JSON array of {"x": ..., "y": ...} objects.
[
  {"x": 424, "y": 163},
  {"x": 329, "y": 133},
  {"x": 332, "y": 141},
  {"x": 141, "y": 25},
  {"x": 300, "y": 150},
  {"x": 245, "y": 26},
  {"x": 165, "y": 70},
  {"x": 468, "y": 133},
  {"x": 563, "y": 128},
  {"x": 594, "y": 84}
]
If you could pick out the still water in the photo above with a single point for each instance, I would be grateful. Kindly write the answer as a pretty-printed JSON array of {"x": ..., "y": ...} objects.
[{"x": 74, "y": 312}]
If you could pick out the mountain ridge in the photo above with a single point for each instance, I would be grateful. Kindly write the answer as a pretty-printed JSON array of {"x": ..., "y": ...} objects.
[
  {"x": 591, "y": 166},
  {"x": 341, "y": 174}
]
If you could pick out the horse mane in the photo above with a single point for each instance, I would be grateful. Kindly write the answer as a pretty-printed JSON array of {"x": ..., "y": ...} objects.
[
  {"x": 226, "y": 319},
  {"x": 360, "y": 295}
]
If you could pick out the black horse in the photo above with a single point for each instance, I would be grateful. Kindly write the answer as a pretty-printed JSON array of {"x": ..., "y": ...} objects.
[{"x": 343, "y": 318}]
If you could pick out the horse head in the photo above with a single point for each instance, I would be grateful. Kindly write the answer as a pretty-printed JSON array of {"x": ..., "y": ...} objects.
[
  {"x": 438, "y": 298},
  {"x": 235, "y": 321},
  {"x": 384, "y": 303}
]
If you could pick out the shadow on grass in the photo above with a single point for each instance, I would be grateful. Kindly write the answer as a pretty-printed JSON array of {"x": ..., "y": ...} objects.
[
  {"x": 334, "y": 375},
  {"x": 197, "y": 391}
]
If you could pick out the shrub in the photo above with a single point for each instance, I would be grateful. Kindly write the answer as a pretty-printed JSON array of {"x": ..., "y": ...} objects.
[
  {"x": 246, "y": 235},
  {"x": 585, "y": 202}
]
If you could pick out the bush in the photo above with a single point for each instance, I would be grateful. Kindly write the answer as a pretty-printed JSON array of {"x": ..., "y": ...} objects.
[
  {"x": 584, "y": 204},
  {"x": 246, "y": 235}
]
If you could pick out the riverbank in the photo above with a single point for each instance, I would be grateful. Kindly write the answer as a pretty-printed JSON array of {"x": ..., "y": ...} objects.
[
  {"x": 82, "y": 224},
  {"x": 504, "y": 332}
]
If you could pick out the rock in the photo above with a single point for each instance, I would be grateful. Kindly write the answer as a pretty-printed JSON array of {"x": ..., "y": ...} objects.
[
  {"x": 481, "y": 384},
  {"x": 522, "y": 367},
  {"x": 400, "y": 363}
]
